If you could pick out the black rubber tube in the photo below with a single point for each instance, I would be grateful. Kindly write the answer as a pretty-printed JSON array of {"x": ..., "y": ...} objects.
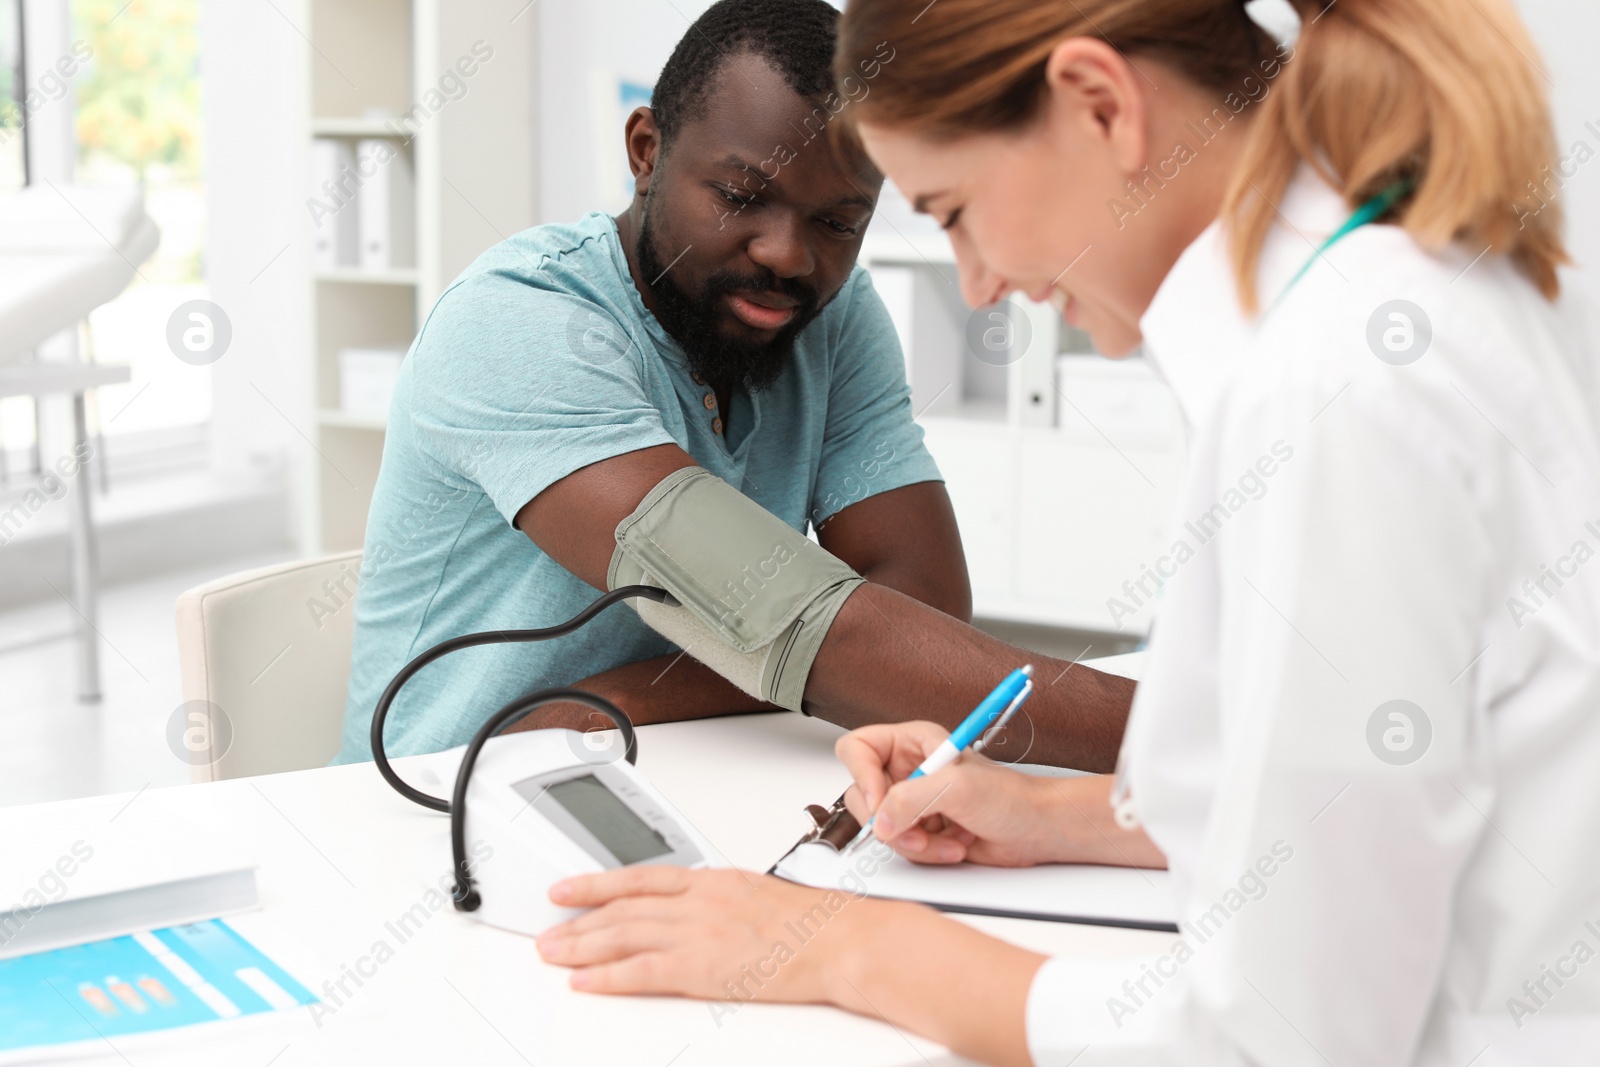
[
  {"x": 488, "y": 637},
  {"x": 465, "y": 896}
]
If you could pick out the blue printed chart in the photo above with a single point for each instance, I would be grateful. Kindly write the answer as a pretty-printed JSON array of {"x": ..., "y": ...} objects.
[{"x": 143, "y": 983}]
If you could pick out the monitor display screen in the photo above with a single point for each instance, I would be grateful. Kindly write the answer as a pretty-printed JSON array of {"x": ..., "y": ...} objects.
[{"x": 613, "y": 823}]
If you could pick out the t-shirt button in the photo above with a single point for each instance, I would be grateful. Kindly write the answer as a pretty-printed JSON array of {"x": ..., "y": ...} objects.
[
  {"x": 696, "y": 378},
  {"x": 716, "y": 425},
  {"x": 711, "y": 401}
]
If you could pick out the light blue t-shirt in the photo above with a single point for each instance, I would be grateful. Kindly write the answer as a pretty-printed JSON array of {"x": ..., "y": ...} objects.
[{"x": 540, "y": 360}]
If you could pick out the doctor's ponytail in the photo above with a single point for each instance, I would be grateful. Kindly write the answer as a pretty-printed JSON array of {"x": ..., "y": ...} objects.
[
  {"x": 1446, "y": 95},
  {"x": 1443, "y": 94}
]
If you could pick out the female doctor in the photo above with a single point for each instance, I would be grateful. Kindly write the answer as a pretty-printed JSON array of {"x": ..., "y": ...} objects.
[{"x": 1367, "y": 735}]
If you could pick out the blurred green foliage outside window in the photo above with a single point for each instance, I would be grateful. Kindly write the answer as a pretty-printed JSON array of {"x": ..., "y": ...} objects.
[{"x": 139, "y": 96}]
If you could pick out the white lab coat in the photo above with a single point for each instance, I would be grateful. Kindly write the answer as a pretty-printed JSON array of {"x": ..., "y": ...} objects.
[{"x": 1357, "y": 532}]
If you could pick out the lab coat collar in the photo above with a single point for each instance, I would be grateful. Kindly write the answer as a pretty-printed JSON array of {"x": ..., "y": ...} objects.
[{"x": 1195, "y": 332}]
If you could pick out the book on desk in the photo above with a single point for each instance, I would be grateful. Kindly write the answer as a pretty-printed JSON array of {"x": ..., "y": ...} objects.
[
  {"x": 56, "y": 894},
  {"x": 121, "y": 936}
]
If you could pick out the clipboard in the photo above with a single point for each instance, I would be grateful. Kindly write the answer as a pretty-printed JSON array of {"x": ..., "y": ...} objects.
[{"x": 1092, "y": 895}]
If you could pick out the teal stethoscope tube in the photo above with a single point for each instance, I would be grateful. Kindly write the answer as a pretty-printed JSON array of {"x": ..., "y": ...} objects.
[{"x": 1370, "y": 211}]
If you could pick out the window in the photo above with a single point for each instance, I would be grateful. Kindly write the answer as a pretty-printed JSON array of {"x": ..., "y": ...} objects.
[
  {"x": 135, "y": 93},
  {"x": 11, "y": 157},
  {"x": 138, "y": 120}
]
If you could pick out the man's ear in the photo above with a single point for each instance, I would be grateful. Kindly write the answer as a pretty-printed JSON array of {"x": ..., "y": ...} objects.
[{"x": 642, "y": 138}]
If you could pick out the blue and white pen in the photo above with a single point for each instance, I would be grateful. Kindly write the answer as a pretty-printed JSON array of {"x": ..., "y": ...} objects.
[{"x": 993, "y": 712}]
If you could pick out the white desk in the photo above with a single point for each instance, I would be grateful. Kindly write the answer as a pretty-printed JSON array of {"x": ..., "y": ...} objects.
[{"x": 340, "y": 858}]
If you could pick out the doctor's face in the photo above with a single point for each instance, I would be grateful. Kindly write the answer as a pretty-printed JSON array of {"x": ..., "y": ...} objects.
[
  {"x": 1047, "y": 209},
  {"x": 1027, "y": 213}
]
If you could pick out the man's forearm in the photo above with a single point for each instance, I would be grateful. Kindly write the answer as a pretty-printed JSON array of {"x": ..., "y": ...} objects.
[{"x": 889, "y": 658}]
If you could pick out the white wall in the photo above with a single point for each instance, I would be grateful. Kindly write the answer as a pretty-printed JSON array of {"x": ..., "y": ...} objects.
[
  {"x": 253, "y": 90},
  {"x": 1567, "y": 31},
  {"x": 584, "y": 46}
]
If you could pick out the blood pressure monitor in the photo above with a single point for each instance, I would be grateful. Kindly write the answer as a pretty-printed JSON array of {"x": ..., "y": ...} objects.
[
  {"x": 545, "y": 805},
  {"x": 529, "y": 809}
]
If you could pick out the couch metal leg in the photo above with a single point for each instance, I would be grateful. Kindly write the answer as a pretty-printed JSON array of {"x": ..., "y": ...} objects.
[{"x": 85, "y": 585}]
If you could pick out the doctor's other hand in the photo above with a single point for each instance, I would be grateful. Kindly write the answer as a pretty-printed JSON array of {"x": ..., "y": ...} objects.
[
  {"x": 979, "y": 811},
  {"x": 717, "y": 934}
]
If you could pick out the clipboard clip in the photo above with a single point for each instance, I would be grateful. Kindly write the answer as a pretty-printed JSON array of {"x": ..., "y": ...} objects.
[{"x": 835, "y": 826}]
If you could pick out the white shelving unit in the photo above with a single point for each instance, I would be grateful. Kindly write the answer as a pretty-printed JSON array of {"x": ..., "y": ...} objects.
[
  {"x": 1063, "y": 468},
  {"x": 383, "y": 69}
]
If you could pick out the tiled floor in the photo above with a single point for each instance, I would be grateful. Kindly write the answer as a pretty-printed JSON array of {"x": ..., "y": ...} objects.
[{"x": 52, "y": 746}]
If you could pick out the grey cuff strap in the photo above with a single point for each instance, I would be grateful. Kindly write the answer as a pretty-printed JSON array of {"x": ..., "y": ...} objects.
[
  {"x": 783, "y": 681},
  {"x": 749, "y": 581}
]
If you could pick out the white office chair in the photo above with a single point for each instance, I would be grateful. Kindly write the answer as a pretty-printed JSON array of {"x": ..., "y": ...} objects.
[{"x": 265, "y": 656}]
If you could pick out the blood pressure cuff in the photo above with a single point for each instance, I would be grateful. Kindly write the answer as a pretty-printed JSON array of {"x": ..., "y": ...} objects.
[{"x": 755, "y": 596}]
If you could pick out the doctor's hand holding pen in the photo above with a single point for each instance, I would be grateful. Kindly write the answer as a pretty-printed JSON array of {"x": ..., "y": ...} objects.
[{"x": 979, "y": 811}]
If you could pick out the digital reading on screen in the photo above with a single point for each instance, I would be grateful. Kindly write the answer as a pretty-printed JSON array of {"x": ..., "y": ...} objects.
[{"x": 612, "y": 822}]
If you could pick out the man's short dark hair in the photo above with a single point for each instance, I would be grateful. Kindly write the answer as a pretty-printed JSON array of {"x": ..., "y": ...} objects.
[{"x": 795, "y": 36}]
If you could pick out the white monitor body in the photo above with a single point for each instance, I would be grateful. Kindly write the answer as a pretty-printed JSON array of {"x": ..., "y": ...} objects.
[{"x": 545, "y": 805}]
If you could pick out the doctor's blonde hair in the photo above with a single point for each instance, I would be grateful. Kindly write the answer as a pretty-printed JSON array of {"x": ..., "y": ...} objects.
[{"x": 1443, "y": 94}]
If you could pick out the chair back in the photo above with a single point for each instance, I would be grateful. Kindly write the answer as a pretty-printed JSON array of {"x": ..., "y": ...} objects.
[{"x": 265, "y": 659}]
